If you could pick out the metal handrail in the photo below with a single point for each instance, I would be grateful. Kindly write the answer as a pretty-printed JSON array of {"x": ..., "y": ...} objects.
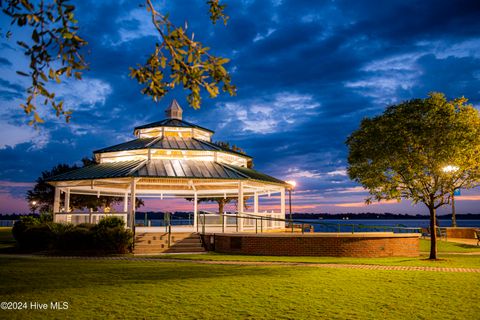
[{"x": 292, "y": 222}]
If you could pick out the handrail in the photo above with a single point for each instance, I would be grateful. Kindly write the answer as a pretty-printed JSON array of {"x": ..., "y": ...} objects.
[{"x": 292, "y": 222}]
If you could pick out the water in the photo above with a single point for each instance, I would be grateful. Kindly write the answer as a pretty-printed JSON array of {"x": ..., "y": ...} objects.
[{"x": 335, "y": 225}]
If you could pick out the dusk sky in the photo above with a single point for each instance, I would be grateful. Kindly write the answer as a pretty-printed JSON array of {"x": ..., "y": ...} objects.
[{"x": 307, "y": 72}]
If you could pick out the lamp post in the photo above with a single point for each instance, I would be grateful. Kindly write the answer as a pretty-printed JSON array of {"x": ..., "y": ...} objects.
[
  {"x": 450, "y": 169},
  {"x": 292, "y": 186},
  {"x": 33, "y": 204}
]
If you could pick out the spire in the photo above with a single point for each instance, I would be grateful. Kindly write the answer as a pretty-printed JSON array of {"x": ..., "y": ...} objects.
[{"x": 174, "y": 111}]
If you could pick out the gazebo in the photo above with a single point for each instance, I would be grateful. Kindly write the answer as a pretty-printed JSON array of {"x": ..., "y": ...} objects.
[{"x": 170, "y": 158}]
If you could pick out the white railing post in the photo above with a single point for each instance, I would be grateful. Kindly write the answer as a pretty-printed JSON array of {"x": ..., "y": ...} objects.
[
  {"x": 240, "y": 205},
  {"x": 56, "y": 202},
  {"x": 282, "y": 208},
  {"x": 132, "y": 204},
  {"x": 67, "y": 200},
  {"x": 195, "y": 212}
]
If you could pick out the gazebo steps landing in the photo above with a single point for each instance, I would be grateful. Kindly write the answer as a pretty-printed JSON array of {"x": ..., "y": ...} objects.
[{"x": 157, "y": 242}]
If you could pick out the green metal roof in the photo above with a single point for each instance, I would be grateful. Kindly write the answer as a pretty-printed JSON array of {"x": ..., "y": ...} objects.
[
  {"x": 172, "y": 123},
  {"x": 169, "y": 143},
  {"x": 100, "y": 171},
  {"x": 165, "y": 168}
]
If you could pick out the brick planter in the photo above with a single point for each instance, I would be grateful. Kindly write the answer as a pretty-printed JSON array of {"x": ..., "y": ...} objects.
[{"x": 372, "y": 245}]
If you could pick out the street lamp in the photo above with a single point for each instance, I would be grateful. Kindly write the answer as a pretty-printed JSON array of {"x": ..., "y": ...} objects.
[
  {"x": 292, "y": 184},
  {"x": 451, "y": 169},
  {"x": 33, "y": 204}
]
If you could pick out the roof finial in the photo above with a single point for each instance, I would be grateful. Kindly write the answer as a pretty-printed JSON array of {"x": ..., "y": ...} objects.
[{"x": 174, "y": 111}]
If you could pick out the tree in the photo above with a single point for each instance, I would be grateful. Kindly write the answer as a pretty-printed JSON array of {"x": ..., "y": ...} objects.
[
  {"x": 42, "y": 195},
  {"x": 403, "y": 153},
  {"x": 55, "y": 54}
]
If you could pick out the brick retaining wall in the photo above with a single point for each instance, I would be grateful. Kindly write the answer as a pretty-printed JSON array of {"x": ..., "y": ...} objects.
[
  {"x": 465, "y": 233},
  {"x": 334, "y": 245}
]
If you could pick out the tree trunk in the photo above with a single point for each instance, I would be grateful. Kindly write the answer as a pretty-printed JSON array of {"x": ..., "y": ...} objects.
[
  {"x": 221, "y": 206},
  {"x": 433, "y": 233}
]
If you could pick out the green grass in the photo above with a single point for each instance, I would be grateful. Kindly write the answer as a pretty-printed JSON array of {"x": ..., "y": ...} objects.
[
  {"x": 6, "y": 237},
  {"x": 445, "y": 260},
  {"x": 444, "y": 246},
  {"x": 171, "y": 290}
]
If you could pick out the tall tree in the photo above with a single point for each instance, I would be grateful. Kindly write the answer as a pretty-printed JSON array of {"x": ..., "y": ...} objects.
[
  {"x": 55, "y": 44},
  {"x": 42, "y": 194},
  {"x": 407, "y": 151}
]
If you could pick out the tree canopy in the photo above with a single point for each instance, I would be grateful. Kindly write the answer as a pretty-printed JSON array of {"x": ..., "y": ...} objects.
[
  {"x": 420, "y": 149},
  {"x": 55, "y": 53}
]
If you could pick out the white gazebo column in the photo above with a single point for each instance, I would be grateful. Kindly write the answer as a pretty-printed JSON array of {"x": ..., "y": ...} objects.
[
  {"x": 67, "y": 200},
  {"x": 131, "y": 211},
  {"x": 240, "y": 205},
  {"x": 255, "y": 203},
  {"x": 125, "y": 202},
  {"x": 56, "y": 203},
  {"x": 282, "y": 207},
  {"x": 195, "y": 212}
]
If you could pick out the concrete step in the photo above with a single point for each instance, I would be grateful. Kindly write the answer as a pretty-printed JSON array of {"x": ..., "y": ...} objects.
[
  {"x": 151, "y": 243},
  {"x": 182, "y": 250}
]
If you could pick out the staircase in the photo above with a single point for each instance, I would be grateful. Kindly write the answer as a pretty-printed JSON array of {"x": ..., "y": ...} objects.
[{"x": 157, "y": 242}]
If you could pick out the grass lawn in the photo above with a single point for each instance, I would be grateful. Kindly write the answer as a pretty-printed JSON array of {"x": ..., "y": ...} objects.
[
  {"x": 173, "y": 290},
  {"x": 6, "y": 237},
  {"x": 445, "y": 246},
  {"x": 446, "y": 260}
]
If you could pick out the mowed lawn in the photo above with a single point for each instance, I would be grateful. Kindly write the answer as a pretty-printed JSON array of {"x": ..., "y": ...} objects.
[
  {"x": 97, "y": 289},
  {"x": 173, "y": 290}
]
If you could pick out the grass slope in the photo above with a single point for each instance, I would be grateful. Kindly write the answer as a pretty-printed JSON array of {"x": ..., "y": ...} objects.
[{"x": 132, "y": 289}]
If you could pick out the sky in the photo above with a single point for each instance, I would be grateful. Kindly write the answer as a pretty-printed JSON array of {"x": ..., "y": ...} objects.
[{"x": 307, "y": 73}]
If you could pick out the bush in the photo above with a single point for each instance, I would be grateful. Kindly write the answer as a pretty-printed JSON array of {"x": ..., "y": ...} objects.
[
  {"x": 37, "y": 237},
  {"x": 108, "y": 236},
  {"x": 110, "y": 222},
  {"x": 76, "y": 239}
]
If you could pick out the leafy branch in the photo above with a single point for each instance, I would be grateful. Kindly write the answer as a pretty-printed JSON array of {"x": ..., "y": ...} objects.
[
  {"x": 54, "y": 51},
  {"x": 180, "y": 60}
]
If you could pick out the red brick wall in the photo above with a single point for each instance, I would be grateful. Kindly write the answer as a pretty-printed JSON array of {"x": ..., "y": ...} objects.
[
  {"x": 465, "y": 233},
  {"x": 297, "y": 245}
]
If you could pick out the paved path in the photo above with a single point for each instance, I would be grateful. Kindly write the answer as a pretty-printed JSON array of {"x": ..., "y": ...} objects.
[{"x": 255, "y": 263}]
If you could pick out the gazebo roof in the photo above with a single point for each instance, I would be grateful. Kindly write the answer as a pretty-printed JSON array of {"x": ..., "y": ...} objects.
[
  {"x": 172, "y": 123},
  {"x": 165, "y": 168},
  {"x": 168, "y": 143}
]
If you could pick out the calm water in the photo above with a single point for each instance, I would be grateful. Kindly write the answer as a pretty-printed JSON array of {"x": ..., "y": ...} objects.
[{"x": 329, "y": 225}]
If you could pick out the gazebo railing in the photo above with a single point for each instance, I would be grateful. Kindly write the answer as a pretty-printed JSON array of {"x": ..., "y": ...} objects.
[
  {"x": 261, "y": 223},
  {"x": 87, "y": 217}
]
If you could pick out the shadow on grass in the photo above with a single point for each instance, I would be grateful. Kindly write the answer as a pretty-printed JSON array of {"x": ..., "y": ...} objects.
[{"x": 28, "y": 275}]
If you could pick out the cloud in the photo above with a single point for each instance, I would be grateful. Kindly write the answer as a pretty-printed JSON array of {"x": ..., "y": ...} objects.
[
  {"x": 271, "y": 114},
  {"x": 12, "y": 135},
  {"x": 338, "y": 172},
  {"x": 85, "y": 94},
  {"x": 15, "y": 184},
  {"x": 136, "y": 24},
  {"x": 293, "y": 173},
  {"x": 259, "y": 36}
]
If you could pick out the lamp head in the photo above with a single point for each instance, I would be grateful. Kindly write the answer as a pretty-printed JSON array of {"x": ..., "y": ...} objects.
[{"x": 292, "y": 183}]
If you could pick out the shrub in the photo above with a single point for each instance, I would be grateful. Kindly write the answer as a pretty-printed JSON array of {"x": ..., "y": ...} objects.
[
  {"x": 37, "y": 237},
  {"x": 108, "y": 236},
  {"x": 76, "y": 239},
  {"x": 110, "y": 222}
]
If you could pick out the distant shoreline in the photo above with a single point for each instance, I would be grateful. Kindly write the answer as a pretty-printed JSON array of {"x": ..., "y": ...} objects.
[{"x": 339, "y": 216}]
